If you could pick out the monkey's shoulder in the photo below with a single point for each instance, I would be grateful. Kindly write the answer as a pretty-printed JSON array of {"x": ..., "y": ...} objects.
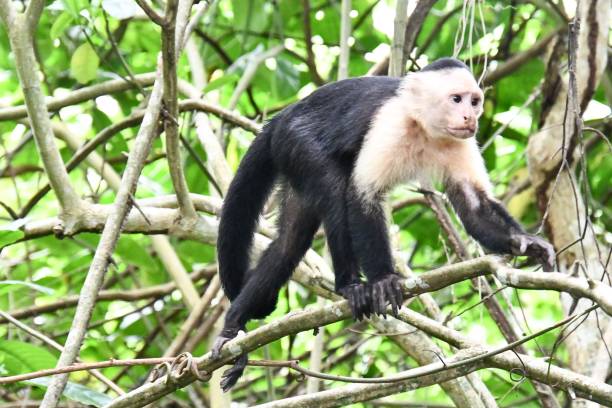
[
  {"x": 353, "y": 92},
  {"x": 342, "y": 106}
]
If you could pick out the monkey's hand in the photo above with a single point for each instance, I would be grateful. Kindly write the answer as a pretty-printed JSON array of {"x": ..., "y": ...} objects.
[
  {"x": 385, "y": 291},
  {"x": 359, "y": 298},
  {"x": 536, "y": 247}
]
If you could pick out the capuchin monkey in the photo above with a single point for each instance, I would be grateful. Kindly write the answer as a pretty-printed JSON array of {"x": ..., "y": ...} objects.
[{"x": 336, "y": 153}]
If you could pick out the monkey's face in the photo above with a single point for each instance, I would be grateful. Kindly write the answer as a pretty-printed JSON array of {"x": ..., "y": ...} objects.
[
  {"x": 462, "y": 103},
  {"x": 453, "y": 103}
]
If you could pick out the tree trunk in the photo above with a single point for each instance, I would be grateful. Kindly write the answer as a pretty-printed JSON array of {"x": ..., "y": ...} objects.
[{"x": 559, "y": 196}]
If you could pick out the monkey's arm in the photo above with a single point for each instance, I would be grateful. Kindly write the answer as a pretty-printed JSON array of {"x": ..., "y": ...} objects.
[
  {"x": 485, "y": 219},
  {"x": 370, "y": 241}
]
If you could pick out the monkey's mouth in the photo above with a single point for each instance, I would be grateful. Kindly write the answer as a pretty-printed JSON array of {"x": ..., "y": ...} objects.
[{"x": 462, "y": 132}]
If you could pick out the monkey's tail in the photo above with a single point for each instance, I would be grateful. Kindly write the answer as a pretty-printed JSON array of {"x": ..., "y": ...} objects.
[{"x": 242, "y": 206}]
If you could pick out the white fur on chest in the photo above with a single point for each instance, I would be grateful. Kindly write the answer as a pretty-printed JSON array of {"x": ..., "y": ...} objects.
[{"x": 397, "y": 150}]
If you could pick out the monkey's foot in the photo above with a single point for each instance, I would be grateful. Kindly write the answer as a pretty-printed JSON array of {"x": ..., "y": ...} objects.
[
  {"x": 231, "y": 375},
  {"x": 387, "y": 290},
  {"x": 536, "y": 247},
  {"x": 225, "y": 336},
  {"x": 359, "y": 298}
]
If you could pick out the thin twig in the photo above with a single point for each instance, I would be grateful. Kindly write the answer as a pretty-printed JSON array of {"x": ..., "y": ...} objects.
[
  {"x": 151, "y": 13},
  {"x": 84, "y": 367}
]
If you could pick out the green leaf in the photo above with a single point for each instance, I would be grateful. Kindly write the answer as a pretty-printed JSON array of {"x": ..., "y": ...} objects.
[
  {"x": 60, "y": 24},
  {"x": 219, "y": 82},
  {"x": 76, "y": 392},
  {"x": 84, "y": 63},
  {"x": 19, "y": 357},
  {"x": 7, "y": 237},
  {"x": 287, "y": 78}
]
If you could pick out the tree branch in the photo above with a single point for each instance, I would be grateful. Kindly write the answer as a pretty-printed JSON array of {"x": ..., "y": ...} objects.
[
  {"x": 161, "y": 244},
  {"x": 310, "y": 57},
  {"x": 151, "y": 13},
  {"x": 84, "y": 367},
  {"x": 20, "y": 36},
  {"x": 33, "y": 13},
  {"x": 108, "y": 240},
  {"x": 112, "y": 229},
  {"x": 83, "y": 94},
  {"x": 518, "y": 60},
  {"x": 133, "y": 295},
  {"x": 170, "y": 113},
  {"x": 397, "y": 63},
  {"x": 308, "y": 319},
  {"x": 345, "y": 33},
  {"x": 133, "y": 120},
  {"x": 414, "y": 25}
]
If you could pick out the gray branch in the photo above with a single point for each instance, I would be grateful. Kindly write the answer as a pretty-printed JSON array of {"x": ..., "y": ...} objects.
[
  {"x": 306, "y": 320},
  {"x": 20, "y": 37},
  {"x": 170, "y": 112}
]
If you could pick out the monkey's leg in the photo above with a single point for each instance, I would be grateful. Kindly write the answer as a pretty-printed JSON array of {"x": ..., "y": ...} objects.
[
  {"x": 298, "y": 223},
  {"x": 370, "y": 240},
  {"x": 326, "y": 187}
]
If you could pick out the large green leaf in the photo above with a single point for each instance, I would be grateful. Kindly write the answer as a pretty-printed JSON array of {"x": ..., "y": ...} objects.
[
  {"x": 84, "y": 63},
  {"x": 7, "y": 237},
  {"x": 19, "y": 357}
]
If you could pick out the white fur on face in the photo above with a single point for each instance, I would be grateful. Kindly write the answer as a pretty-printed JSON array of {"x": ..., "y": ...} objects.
[
  {"x": 407, "y": 138},
  {"x": 430, "y": 95}
]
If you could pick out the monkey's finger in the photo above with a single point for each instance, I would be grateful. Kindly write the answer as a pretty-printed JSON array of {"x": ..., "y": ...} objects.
[
  {"x": 367, "y": 290},
  {"x": 397, "y": 292},
  {"x": 523, "y": 243},
  {"x": 548, "y": 261},
  {"x": 549, "y": 257},
  {"x": 545, "y": 253},
  {"x": 220, "y": 341},
  {"x": 356, "y": 303},
  {"x": 391, "y": 298},
  {"x": 379, "y": 299},
  {"x": 552, "y": 260},
  {"x": 354, "y": 310},
  {"x": 357, "y": 299},
  {"x": 373, "y": 303},
  {"x": 366, "y": 300},
  {"x": 229, "y": 379},
  {"x": 382, "y": 301}
]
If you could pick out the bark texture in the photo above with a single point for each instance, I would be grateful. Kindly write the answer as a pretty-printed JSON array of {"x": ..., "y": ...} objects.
[{"x": 551, "y": 154}]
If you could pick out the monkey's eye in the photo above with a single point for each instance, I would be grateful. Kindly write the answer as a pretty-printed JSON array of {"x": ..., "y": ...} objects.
[
  {"x": 475, "y": 102},
  {"x": 456, "y": 98}
]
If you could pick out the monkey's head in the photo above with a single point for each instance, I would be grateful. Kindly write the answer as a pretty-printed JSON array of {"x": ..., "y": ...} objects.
[{"x": 450, "y": 101}]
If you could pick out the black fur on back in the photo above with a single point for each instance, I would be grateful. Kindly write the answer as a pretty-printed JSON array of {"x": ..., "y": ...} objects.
[
  {"x": 334, "y": 118},
  {"x": 445, "y": 63}
]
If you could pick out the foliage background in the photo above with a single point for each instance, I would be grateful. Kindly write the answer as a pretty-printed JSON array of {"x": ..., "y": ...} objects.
[{"x": 74, "y": 48}]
